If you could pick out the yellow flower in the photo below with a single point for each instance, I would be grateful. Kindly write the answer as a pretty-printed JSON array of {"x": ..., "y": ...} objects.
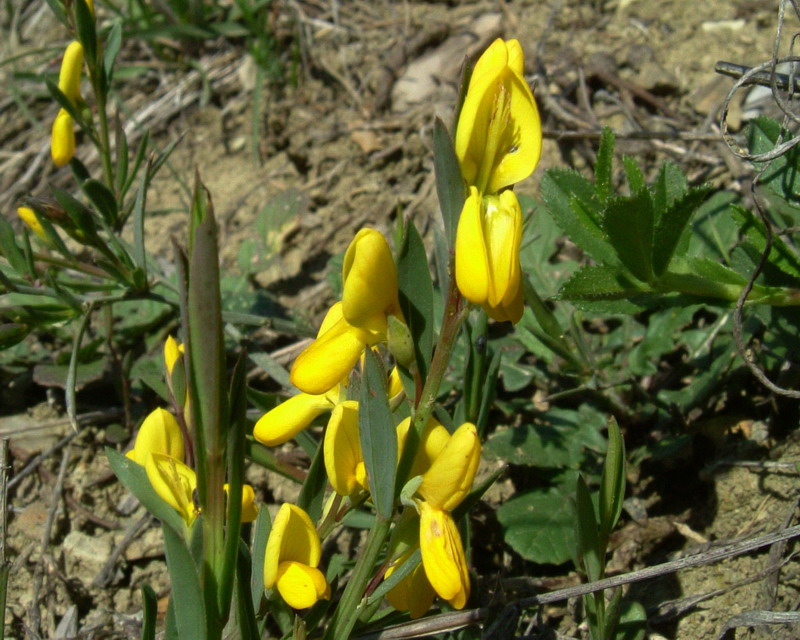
[
  {"x": 69, "y": 78},
  {"x": 448, "y": 480},
  {"x": 172, "y": 351},
  {"x": 62, "y": 143},
  {"x": 344, "y": 461},
  {"x": 29, "y": 218},
  {"x": 434, "y": 440},
  {"x": 249, "y": 508},
  {"x": 487, "y": 254},
  {"x": 359, "y": 320},
  {"x": 443, "y": 555},
  {"x": 329, "y": 359},
  {"x": 292, "y": 557},
  {"x": 175, "y": 483},
  {"x": 290, "y": 417},
  {"x": 159, "y": 433},
  {"x": 413, "y": 593},
  {"x": 499, "y": 133},
  {"x": 369, "y": 280}
]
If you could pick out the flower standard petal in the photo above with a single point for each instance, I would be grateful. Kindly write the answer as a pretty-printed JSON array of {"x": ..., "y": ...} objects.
[
  {"x": 369, "y": 278},
  {"x": 292, "y": 537},
  {"x": 434, "y": 440},
  {"x": 343, "y": 457},
  {"x": 289, "y": 418},
  {"x": 172, "y": 351},
  {"x": 450, "y": 477},
  {"x": 443, "y": 555},
  {"x": 472, "y": 259},
  {"x": 502, "y": 229},
  {"x": 175, "y": 484},
  {"x": 159, "y": 433}
]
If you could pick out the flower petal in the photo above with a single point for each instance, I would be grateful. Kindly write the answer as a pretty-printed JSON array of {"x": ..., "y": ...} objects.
[
  {"x": 172, "y": 351},
  {"x": 329, "y": 359},
  {"x": 159, "y": 433},
  {"x": 472, "y": 258},
  {"x": 343, "y": 449},
  {"x": 292, "y": 538},
  {"x": 450, "y": 477},
  {"x": 69, "y": 78},
  {"x": 300, "y": 585},
  {"x": 502, "y": 231},
  {"x": 369, "y": 276},
  {"x": 413, "y": 593},
  {"x": 289, "y": 418},
  {"x": 174, "y": 482},
  {"x": 443, "y": 555},
  {"x": 29, "y": 218},
  {"x": 434, "y": 440}
]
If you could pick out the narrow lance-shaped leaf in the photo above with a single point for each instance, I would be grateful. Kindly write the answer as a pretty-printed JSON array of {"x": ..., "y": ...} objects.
[
  {"x": 671, "y": 226},
  {"x": 86, "y": 32},
  {"x": 604, "y": 166},
  {"x": 378, "y": 436},
  {"x": 589, "y": 548},
  {"x": 449, "y": 183},
  {"x": 612, "y": 485},
  {"x": 416, "y": 295},
  {"x": 187, "y": 596},
  {"x": 149, "y": 611}
]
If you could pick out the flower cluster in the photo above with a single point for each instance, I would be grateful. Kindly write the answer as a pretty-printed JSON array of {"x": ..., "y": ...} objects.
[
  {"x": 160, "y": 448},
  {"x": 498, "y": 143}
]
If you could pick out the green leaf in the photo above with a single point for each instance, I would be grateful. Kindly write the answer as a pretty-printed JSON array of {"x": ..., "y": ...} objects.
[
  {"x": 540, "y": 524},
  {"x": 139, "y": 252},
  {"x": 671, "y": 226},
  {"x": 112, "y": 47},
  {"x": 558, "y": 438},
  {"x": 149, "y": 611},
  {"x": 571, "y": 200},
  {"x": 612, "y": 485},
  {"x": 604, "y": 166},
  {"x": 78, "y": 213},
  {"x": 103, "y": 199},
  {"x": 781, "y": 255},
  {"x": 633, "y": 174},
  {"x": 273, "y": 368},
  {"x": 416, "y": 295},
  {"x": 589, "y": 549},
  {"x": 632, "y": 623},
  {"x": 190, "y": 613},
  {"x": 449, "y": 182},
  {"x": 670, "y": 185},
  {"x": 628, "y": 222},
  {"x": 86, "y": 31},
  {"x": 378, "y": 435},
  {"x": 245, "y": 610},
  {"x": 600, "y": 283},
  {"x": 312, "y": 493},
  {"x": 62, "y": 99},
  {"x": 134, "y": 477},
  {"x": 9, "y": 248},
  {"x": 260, "y": 536}
]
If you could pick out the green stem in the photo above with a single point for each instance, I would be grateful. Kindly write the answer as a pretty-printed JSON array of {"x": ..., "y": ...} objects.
[
  {"x": 454, "y": 314},
  {"x": 481, "y": 330},
  {"x": 345, "y": 617},
  {"x": 81, "y": 267}
]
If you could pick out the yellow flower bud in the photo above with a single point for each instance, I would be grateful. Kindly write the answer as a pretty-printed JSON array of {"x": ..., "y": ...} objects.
[
  {"x": 289, "y": 418},
  {"x": 443, "y": 555},
  {"x": 488, "y": 239},
  {"x": 344, "y": 461},
  {"x": 62, "y": 143},
  {"x": 450, "y": 477},
  {"x": 28, "y": 216},
  {"x": 69, "y": 78},
  {"x": 172, "y": 351},
  {"x": 291, "y": 559},
  {"x": 159, "y": 433},
  {"x": 370, "y": 284},
  {"x": 175, "y": 484},
  {"x": 499, "y": 133}
]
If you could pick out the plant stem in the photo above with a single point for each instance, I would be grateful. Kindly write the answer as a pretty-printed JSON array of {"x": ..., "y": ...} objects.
[{"x": 345, "y": 617}]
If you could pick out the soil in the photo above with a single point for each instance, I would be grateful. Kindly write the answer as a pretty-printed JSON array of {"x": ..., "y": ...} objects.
[{"x": 349, "y": 145}]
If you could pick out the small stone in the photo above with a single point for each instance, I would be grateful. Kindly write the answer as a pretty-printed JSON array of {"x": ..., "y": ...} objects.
[
  {"x": 30, "y": 520},
  {"x": 720, "y": 26},
  {"x": 87, "y": 553}
]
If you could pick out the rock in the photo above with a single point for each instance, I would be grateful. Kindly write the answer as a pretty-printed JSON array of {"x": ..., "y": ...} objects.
[
  {"x": 148, "y": 545},
  {"x": 30, "y": 521},
  {"x": 86, "y": 554},
  {"x": 721, "y": 26}
]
